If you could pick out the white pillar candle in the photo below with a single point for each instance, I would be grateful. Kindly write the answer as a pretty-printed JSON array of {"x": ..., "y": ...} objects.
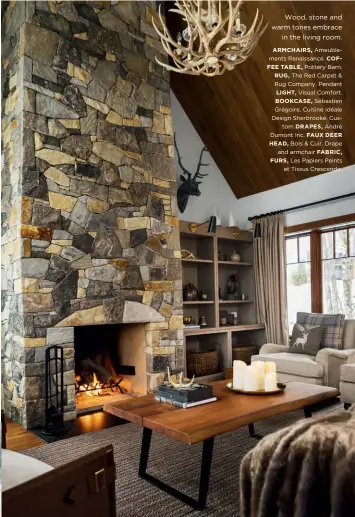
[
  {"x": 260, "y": 379},
  {"x": 270, "y": 381},
  {"x": 270, "y": 366},
  {"x": 258, "y": 365},
  {"x": 238, "y": 374},
  {"x": 250, "y": 379}
]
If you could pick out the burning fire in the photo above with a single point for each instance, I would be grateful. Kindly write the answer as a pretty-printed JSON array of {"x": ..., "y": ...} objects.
[{"x": 94, "y": 389}]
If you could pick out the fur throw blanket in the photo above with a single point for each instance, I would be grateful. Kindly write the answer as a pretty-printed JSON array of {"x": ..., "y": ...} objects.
[{"x": 304, "y": 470}]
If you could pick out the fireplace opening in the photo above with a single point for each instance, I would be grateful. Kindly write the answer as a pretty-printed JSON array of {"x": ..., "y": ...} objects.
[{"x": 108, "y": 358}]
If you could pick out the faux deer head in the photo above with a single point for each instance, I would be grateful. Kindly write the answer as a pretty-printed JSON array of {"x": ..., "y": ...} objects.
[{"x": 189, "y": 185}]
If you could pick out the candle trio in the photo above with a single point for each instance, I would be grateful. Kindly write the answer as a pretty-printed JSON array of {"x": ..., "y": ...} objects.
[{"x": 258, "y": 376}]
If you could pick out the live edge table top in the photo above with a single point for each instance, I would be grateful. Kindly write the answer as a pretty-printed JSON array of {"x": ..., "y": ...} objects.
[{"x": 231, "y": 410}]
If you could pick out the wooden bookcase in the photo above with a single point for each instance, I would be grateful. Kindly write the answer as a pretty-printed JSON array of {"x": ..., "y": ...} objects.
[{"x": 209, "y": 271}]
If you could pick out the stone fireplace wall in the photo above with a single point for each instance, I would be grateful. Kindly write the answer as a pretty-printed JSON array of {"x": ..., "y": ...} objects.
[{"x": 89, "y": 221}]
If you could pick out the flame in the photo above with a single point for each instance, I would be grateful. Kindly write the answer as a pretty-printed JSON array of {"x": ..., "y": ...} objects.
[{"x": 94, "y": 389}]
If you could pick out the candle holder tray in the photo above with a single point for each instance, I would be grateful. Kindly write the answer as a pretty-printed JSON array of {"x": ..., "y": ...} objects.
[{"x": 280, "y": 388}]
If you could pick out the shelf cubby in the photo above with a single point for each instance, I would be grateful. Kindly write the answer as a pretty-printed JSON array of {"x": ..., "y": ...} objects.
[{"x": 209, "y": 270}]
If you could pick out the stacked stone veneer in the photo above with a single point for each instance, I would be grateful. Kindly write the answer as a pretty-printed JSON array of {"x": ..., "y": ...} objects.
[{"x": 90, "y": 228}]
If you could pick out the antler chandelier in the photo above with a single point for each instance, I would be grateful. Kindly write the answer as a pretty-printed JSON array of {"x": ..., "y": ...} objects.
[{"x": 214, "y": 39}]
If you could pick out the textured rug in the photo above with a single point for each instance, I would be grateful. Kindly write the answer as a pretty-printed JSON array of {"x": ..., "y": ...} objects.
[{"x": 173, "y": 462}]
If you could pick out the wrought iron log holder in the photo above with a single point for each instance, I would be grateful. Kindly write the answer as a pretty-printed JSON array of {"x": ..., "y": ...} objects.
[
  {"x": 54, "y": 387},
  {"x": 110, "y": 385}
]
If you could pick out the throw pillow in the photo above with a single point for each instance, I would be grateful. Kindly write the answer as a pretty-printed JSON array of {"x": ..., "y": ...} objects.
[
  {"x": 333, "y": 327},
  {"x": 305, "y": 339}
]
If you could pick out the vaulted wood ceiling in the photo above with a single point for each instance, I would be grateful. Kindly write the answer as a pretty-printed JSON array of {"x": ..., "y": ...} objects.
[{"x": 232, "y": 113}]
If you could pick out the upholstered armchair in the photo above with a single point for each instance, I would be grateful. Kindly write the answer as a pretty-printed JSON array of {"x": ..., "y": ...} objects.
[{"x": 323, "y": 368}]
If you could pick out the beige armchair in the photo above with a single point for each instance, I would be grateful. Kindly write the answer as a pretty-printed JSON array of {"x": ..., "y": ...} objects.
[{"x": 323, "y": 368}]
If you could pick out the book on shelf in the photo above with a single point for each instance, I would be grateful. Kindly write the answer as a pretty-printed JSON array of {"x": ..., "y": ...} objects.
[
  {"x": 182, "y": 404},
  {"x": 192, "y": 326},
  {"x": 194, "y": 393}
]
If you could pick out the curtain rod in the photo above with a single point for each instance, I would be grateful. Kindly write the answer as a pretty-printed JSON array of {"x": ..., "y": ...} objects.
[{"x": 302, "y": 206}]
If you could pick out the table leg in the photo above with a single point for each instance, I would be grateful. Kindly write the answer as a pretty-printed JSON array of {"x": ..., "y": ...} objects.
[
  {"x": 207, "y": 452},
  {"x": 307, "y": 411},
  {"x": 252, "y": 432}
]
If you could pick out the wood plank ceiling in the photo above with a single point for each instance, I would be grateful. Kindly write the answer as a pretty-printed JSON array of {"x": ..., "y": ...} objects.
[{"x": 232, "y": 113}]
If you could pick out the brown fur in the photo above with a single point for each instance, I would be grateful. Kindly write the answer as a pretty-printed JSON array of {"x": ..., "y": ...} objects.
[{"x": 304, "y": 470}]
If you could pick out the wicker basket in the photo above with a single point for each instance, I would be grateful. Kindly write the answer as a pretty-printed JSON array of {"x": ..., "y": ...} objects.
[
  {"x": 244, "y": 353},
  {"x": 202, "y": 363}
]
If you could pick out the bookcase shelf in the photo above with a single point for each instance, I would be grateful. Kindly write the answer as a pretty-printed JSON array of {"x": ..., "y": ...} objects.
[
  {"x": 197, "y": 261},
  {"x": 235, "y": 264},
  {"x": 199, "y": 302},
  {"x": 234, "y": 302},
  {"x": 209, "y": 273}
]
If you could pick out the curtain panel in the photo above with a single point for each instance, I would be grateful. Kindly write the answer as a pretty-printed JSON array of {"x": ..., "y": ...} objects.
[{"x": 270, "y": 279}]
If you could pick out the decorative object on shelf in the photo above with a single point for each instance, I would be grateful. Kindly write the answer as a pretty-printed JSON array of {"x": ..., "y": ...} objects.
[
  {"x": 244, "y": 353},
  {"x": 203, "y": 295},
  {"x": 179, "y": 384},
  {"x": 202, "y": 363},
  {"x": 190, "y": 293},
  {"x": 187, "y": 320},
  {"x": 232, "y": 287},
  {"x": 186, "y": 254},
  {"x": 259, "y": 377},
  {"x": 235, "y": 257},
  {"x": 223, "y": 321},
  {"x": 244, "y": 297},
  {"x": 202, "y": 321},
  {"x": 212, "y": 225},
  {"x": 232, "y": 318},
  {"x": 220, "y": 294},
  {"x": 213, "y": 41},
  {"x": 189, "y": 185}
]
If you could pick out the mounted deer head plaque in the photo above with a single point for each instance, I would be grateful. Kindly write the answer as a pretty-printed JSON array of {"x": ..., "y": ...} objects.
[{"x": 189, "y": 185}]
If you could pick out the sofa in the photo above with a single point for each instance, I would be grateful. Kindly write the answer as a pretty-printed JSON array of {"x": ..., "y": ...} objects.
[{"x": 322, "y": 369}]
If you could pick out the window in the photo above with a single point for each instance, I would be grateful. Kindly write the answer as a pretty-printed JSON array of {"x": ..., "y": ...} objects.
[
  {"x": 298, "y": 259},
  {"x": 321, "y": 272},
  {"x": 338, "y": 271}
]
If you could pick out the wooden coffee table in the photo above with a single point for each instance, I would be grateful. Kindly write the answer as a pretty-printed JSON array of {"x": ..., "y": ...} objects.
[{"x": 202, "y": 423}]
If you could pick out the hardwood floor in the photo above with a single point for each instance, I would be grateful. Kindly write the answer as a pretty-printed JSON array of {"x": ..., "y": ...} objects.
[{"x": 19, "y": 439}]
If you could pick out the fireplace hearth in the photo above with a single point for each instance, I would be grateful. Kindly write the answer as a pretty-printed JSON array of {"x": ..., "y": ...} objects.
[{"x": 100, "y": 374}]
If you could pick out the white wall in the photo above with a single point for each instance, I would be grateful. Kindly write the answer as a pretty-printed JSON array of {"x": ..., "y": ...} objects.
[
  {"x": 330, "y": 184},
  {"x": 218, "y": 199}
]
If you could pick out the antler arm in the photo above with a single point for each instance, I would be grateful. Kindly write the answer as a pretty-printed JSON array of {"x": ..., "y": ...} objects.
[
  {"x": 185, "y": 171},
  {"x": 198, "y": 174}
]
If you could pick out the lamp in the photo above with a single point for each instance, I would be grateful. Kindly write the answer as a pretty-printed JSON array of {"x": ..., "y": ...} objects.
[
  {"x": 212, "y": 224},
  {"x": 257, "y": 231}
]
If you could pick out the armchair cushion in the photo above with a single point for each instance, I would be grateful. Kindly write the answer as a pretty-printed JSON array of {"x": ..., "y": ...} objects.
[
  {"x": 295, "y": 364},
  {"x": 347, "y": 373},
  {"x": 333, "y": 324},
  {"x": 271, "y": 348}
]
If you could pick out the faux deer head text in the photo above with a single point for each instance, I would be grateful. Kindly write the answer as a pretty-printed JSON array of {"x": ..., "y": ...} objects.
[{"x": 189, "y": 185}]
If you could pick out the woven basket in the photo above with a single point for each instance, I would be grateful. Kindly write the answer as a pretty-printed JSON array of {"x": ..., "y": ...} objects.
[
  {"x": 202, "y": 363},
  {"x": 244, "y": 353}
]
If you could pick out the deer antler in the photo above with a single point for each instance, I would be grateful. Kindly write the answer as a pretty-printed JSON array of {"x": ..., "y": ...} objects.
[
  {"x": 213, "y": 41},
  {"x": 180, "y": 384},
  {"x": 198, "y": 174},
  {"x": 185, "y": 171}
]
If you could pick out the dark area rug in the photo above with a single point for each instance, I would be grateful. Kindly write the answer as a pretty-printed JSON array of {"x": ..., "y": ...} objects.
[{"x": 173, "y": 462}]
